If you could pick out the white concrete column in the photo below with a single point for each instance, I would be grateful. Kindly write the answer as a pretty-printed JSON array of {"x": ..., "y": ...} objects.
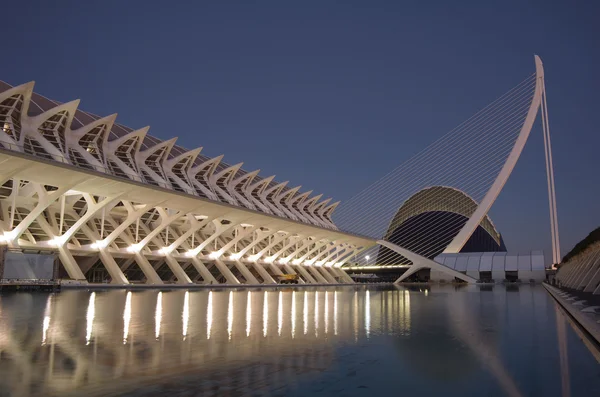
[
  {"x": 44, "y": 200},
  {"x": 250, "y": 279},
  {"x": 263, "y": 273},
  {"x": 318, "y": 276},
  {"x": 289, "y": 270},
  {"x": 118, "y": 277},
  {"x": 326, "y": 274},
  {"x": 307, "y": 276},
  {"x": 276, "y": 269},
  {"x": 151, "y": 275},
  {"x": 203, "y": 271},
  {"x": 182, "y": 277},
  {"x": 231, "y": 279},
  {"x": 344, "y": 277},
  {"x": 70, "y": 264}
]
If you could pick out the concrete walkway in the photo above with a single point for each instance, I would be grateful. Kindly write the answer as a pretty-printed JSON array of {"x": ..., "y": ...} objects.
[
  {"x": 197, "y": 286},
  {"x": 585, "y": 313}
]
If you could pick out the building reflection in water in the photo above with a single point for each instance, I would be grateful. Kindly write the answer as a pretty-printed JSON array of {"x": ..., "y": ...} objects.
[
  {"x": 83, "y": 342},
  {"x": 82, "y": 339}
]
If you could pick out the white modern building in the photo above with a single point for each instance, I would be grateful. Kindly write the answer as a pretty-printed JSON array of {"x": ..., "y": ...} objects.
[
  {"x": 493, "y": 266},
  {"x": 119, "y": 205}
]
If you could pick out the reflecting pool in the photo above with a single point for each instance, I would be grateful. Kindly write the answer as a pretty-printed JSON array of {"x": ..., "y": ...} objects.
[{"x": 339, "y": 341}]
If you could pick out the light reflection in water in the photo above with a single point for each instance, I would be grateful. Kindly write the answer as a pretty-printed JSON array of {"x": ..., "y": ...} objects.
[
  {"x": 293, "y": 314},
  {"x": 265, "y": 313},
  {"x": 158, "y": 315},
  {"x": 326, "y": 311},
  {"x": 209, "y": 314},
  {"x": 355, "y": 316},
  {"x": 279, "y": 313},
  {"x": 305, "y": 314},
  {"x": 46, "y": 323},
  {"x": 316, "y": 313},
  {"x": 230, "y": 314},
  {"x": 91, "y": 312},
  {"x": 335, "y": 312},
  {"x": 126, "y": 317},
  {"x": 406, "y": 312},
  {"x": 249, "y": 313},
  {"x": 368, "y": 313},
  {"x": 185, "y": 315},
  {"x": 160, "y": 349}
]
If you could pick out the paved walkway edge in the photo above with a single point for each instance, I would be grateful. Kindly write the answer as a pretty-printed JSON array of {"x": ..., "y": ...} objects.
[
  {"x": 204, "y": 286},
  {"x": 587, "y": 323}
]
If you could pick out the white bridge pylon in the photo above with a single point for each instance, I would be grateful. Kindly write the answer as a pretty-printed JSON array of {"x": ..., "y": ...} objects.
[{"x": 476, "y": 158}]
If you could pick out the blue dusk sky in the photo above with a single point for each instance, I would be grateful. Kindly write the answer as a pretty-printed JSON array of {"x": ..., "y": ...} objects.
[{"x": 330, "y": 95}]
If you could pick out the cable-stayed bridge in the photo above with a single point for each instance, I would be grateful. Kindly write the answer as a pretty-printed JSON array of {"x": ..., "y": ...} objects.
[
  {"x": 119, "y": 205},
  {"x": 450, "y": 187}
]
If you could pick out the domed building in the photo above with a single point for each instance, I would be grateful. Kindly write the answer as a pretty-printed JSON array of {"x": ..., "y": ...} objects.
[{"x": 428, "y": 221}]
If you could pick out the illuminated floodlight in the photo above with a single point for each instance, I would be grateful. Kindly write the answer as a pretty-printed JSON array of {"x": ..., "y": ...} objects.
[
  {"x": 99, "y": 244},
  {"x": 8, "y": 236},
  {"x": 166, "y": 250},
  {"x": 215, "y": 255},
  {"x": 57, "y": 241},
  {"x": 135, "y": 247}
]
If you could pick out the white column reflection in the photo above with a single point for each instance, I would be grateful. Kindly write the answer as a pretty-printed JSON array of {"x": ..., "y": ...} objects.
[
  {"x": 368, "y": 313},
  {"x": 316, "y": 314},
  {"x": 64, "y": 363},
  {"x": 279, "y": 313},
  {"x": 158, "y": 315},
  {"x": 209, "y": 315},
  {"x": 186, "y": 313},
  {"x": 265, "y": 313},
  {"x": 355, "y": 316},
  {"x": 126, "y": 317},
  {"x": 46, "y": 321},
  {"x": 335, "y": 311},
  {"x": 406, "y": 313},
  {"x": 230, "y": 314},
  {"x": 293, "y": 314},
  {"x": 305, "y": 314},
  {"x": 91, "y": 313},
  {"x": 326, "y": 312},
  {"x": 249, "y": 313}
]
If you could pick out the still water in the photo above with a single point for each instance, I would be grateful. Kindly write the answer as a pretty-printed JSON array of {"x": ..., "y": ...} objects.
[{"x": 341, "y": 341}]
